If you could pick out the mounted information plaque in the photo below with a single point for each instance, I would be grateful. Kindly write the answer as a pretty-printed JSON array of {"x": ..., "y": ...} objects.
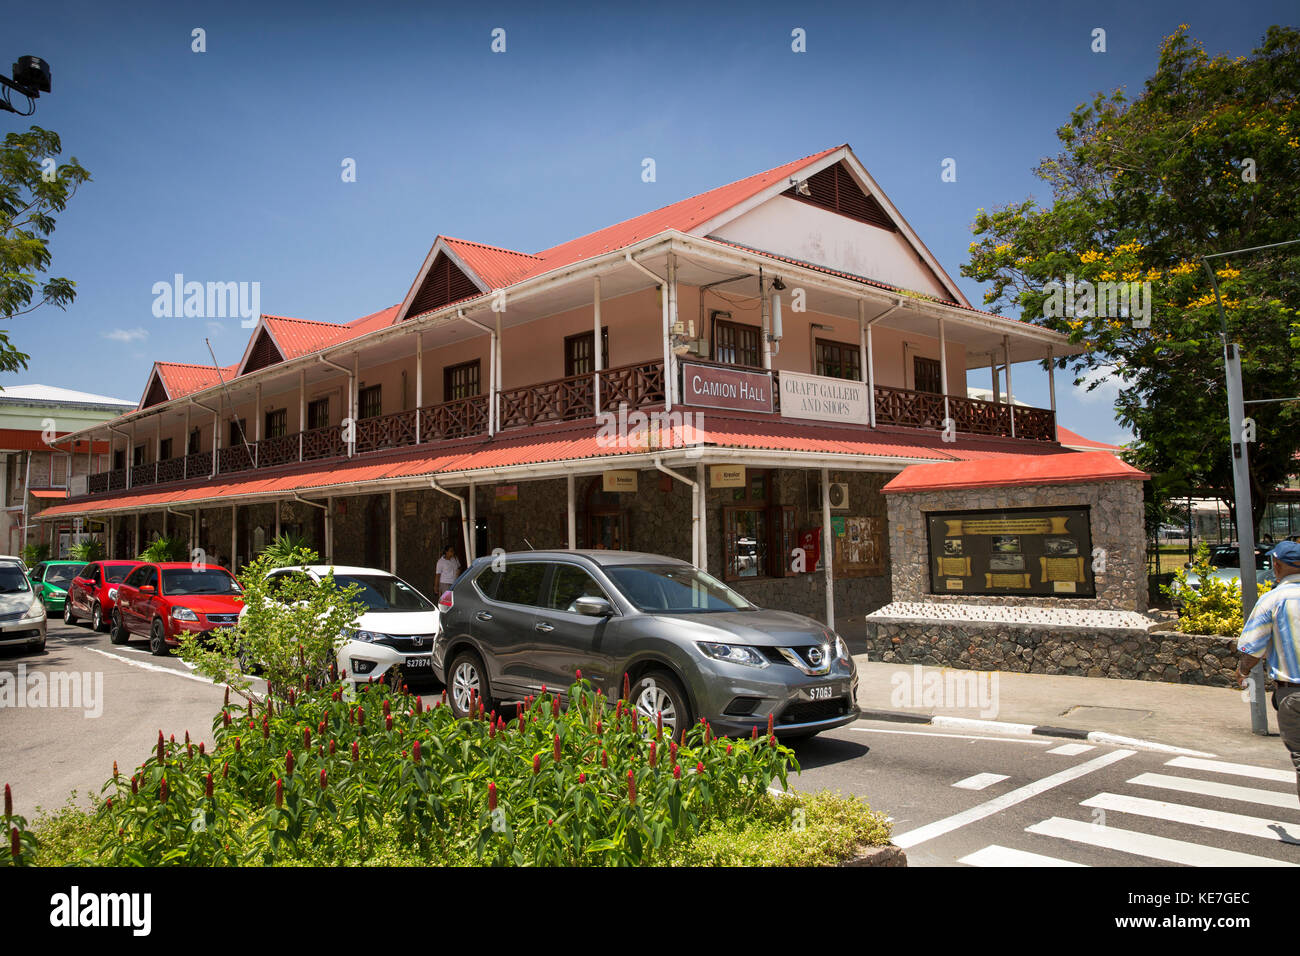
[{"x": 1042, "y": 551}]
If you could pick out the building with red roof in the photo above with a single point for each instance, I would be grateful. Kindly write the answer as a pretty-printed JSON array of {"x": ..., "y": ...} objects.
[{"x": 725, "y": 378}]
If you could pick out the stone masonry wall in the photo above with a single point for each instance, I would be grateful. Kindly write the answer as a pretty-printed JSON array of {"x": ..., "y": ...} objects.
[
  {"x": 1084, "y": 652},
  {"x": 1117, "y": 528}
]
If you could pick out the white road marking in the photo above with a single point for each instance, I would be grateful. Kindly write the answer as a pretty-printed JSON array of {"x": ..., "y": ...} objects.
[
  {"x": 1148, "y": 845},
  {"x": 1277, "y": 830},
  {"x": 1237, "y": 769},
  {"x": 1212, "y": 788},
  {"x": 923, "y": 733},
  {"x": 145, "y": 665},
  {"x": 1005, "y": 856},
  {"x": 1071, "y": 750},
  {"x": 1115, "y": 740},
  {"x": 997, "y": 804},
  {"x": 980, "y": 781}
]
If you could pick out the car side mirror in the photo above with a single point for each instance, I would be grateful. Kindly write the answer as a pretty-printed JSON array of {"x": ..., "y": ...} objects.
[
  {"x": 147, "y": 589},
  {"x": 593, "y": 606}
]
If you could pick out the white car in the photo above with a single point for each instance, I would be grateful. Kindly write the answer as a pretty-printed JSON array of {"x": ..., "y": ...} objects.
[
  {"x": 22, "y": 615},
  {"x": 396, "y": 632}
]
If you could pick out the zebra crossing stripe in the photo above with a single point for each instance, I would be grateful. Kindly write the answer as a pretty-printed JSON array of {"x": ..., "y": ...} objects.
[
  {"x": 1148, "y": 845},
  {"x": 1236, "y": 769},
  {"x": 1276, "y": 830},
  {"x": 980, "y": 781},
  {"x": 995, "y": 855},
  {"x": 939, "y": 827},
  {"x": 1212, "y": 788}
]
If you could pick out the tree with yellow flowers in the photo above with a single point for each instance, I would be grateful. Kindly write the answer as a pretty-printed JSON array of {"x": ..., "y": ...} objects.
[{"x": 1205, "y": 159}]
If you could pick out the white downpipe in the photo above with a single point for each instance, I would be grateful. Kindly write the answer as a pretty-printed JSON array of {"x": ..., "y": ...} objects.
[
  {"x": 703, "y": 564},
  {"x": 464, "y": 521},
  {"x": 471, "y": 554},
  {"x": 765, "y": 320},
  {"x": 695, "y": 507},
  {"x": 302, "y": 408},
  {"x": 599, "y": 355},
  {"x": 943, "y": 372},
  {"x": 419, "y": 381},
  {"x": 669, "y": 385},
  {"x": 352, "y": 432},
  {"x": 1051, "y": 389},
  {"x": 392, "y": 531},
  {"x": 828, "y": 548}
]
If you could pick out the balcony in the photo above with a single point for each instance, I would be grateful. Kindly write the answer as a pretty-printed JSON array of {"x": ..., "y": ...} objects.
[{"x": 561, "y": 400}]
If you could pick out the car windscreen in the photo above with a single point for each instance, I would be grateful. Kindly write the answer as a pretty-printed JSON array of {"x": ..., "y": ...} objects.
[
  {"x": 61, "y": 575},
  {"x": 672, "y": 588},
  {"x": 13, "y": 580},
  {"x": 182, "y": 581},
  {"x": 116, "y": 573},
  {"x": 385, "y": 593}
]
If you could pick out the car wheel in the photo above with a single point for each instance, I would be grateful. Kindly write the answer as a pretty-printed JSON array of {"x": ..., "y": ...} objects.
[
  {"x": 97, "y": 617},
  {"x": 157, "y": 639},
  {"x": 658, "y": 692},
  {"x": 68, "y": 617},
  {"x": 465, "y": 677},
  {"x": 117, "y": 634},
  {"x": 40, "y": 648}
]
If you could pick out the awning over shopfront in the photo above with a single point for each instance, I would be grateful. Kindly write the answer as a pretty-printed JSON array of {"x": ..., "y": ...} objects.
[
  {"x": 49, "y": 493},
  {"x": 714, "y": 438}
]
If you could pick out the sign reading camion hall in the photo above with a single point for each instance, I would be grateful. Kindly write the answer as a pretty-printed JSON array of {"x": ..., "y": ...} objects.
[
  {"x": 712, "y": 386},
  {"x": 823, "y": 399}
]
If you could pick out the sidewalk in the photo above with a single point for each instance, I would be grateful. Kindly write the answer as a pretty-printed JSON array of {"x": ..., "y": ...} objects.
[{"x": 1213, "y": 719}]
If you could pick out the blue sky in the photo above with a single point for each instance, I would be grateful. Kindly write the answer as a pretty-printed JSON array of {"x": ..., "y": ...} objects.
[{"x": 225, "y": 165}]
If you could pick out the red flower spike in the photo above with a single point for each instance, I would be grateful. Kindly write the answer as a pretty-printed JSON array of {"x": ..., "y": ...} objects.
[
  {"x": 604, "y": 759},
  {"x": 163, "y": 791},
  {"x": 555, "y": 706},
  {"x": 266, "y": 729},
  {"x": 582, "y": 777},
  {"x": 631, "y": 788},
  {"x": 320, "y": 728},
  {"x": 492, "y": 732},
  {"x": 279, "y": 793},
  {"x": 225, "y": 718},
  {"x": 388, "y": 708},
  {"x": 659, "y": 723},
  {"x": 226, "y": 702},
  {"x": 652, "y": 753},
  {"x": 135, "y": 786},
  {"x": 771, "y": 740},
  {"x": 162, "y": 748},
  {"x": 236, "y": 745},
  {"x": 388, "y": 722},
  {"x": 579, "y": 676},
  {"x": 187, "y": 738},
  {"x": 292, "y": 697},
  {"x": 537, "y": 763},
  {"x": 627, "y": 687},
  {"x": 677, "y": 772},
  {"x": 354, "y": 751},
  {"x": 519, "y": 710},
  {"x": 557, "y": 748},
  {"x": 109, "y": 803},
  {"x": 225, "y": 769},
  {"x": 201, "y": 750},
  {"x": 754, "y": 735},
  {"x": 492, "y": 797},
  {"x": 331, "y": 746},
  {"x": 322, "y": 779},
  {"x": 288, "y": 763},
  {"x": 415, "y": 751},
  {"x": 361, "y": 716},
  {"x": 9, "y": 795},
  {"x": 600, "y": 728},
  {"x": 672, "y": 750},
  {"x": 769, "y": 725},
  {"x": 15, "y": 844},
  {"x": 207, "y": 785},
  {"x": 699, "y": 766},
  {"x": 522, "y": 723},
  {"x": 306, "y": 738}
]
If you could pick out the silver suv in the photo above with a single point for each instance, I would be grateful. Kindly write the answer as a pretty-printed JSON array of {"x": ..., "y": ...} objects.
[{"x": 690, "y": 646}]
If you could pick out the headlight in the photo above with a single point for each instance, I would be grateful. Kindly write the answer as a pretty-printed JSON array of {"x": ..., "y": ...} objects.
[
  {"x": 35, "y": 610},
  {"x": 366, "y": 637},
  {"x": 184, "y": 614},
  {"x": 112, "y": 594},
  {"x": 733, "y": 654},
  {"x": 841, "y": 649}
]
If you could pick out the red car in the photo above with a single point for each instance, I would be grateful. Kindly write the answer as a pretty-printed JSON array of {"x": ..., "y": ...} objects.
[
  {"x": 164, "y": 600},
  {"x": 92, "y": 591}
]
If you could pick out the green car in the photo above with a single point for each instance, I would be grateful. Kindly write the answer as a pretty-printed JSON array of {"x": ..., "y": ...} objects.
[{"x": 52, "y": 580}]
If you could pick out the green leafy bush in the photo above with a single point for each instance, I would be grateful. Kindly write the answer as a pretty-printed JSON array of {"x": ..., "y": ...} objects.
[
  {"x": 89, "y": 549},
  {"x": 318, "y": 779},
  {"x": 34, "y": 554},
  {"x": 1213, "y": 606},
  {"x": 165, "y": 549}
]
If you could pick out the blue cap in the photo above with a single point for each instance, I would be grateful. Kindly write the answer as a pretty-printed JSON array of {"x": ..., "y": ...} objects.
[{"x": 1288, "y": 552}]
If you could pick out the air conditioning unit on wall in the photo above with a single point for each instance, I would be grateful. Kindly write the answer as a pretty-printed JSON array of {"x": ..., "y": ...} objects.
[{"x": 839, "y": 495}]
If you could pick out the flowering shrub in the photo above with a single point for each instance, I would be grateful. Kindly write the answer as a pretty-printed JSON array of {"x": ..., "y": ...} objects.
[
  {"x": 1214, "y": 606},
  {"x": 318, "y": 777},
  {"x": 20, "y": 844}
]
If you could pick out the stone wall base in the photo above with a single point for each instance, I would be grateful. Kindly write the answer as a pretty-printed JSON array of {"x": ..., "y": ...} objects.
[{"x": 1084, "y": 652}]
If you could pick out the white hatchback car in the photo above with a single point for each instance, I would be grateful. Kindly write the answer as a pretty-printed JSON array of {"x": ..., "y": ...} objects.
[{"x": 396, "y": 632}]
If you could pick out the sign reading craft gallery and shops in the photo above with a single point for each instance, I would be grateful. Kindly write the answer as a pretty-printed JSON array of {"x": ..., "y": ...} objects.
[
  {"x": 823, "y": 399},
  {"x": 713, "y": 386},
  {"x": 1042, "y": 551}
]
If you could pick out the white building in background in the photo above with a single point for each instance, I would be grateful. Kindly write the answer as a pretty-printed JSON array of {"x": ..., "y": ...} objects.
[{"x": 34, "y": 474}]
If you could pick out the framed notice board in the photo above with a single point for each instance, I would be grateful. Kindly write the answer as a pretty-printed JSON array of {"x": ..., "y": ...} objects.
[{"x": 1020, "y": 551}]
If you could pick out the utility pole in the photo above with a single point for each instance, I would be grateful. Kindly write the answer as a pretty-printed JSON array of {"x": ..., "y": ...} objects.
[{"x": 1241, "y": 482}]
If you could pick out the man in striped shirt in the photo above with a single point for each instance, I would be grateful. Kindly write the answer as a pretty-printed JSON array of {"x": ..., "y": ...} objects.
[{"x": 1273, "y": 634}]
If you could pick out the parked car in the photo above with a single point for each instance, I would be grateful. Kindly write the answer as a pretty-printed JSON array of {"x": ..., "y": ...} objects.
[
  {"x": 393, "y": 636},
  {"x": 93, "y": 591},
  {"x": 162, "y": 600},
  {"x": 52, "y": 580},
  {"x": 691, "y": 646},
  {"x": 22, "y": 615},
  {"x": 1227, "y": 566}
]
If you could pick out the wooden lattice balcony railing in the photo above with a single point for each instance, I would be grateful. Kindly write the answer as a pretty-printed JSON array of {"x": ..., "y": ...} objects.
[{"x": 386, "y": 431}]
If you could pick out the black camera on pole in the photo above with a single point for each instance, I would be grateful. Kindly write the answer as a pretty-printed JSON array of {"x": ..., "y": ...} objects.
[{"x": 31, "y": 78}]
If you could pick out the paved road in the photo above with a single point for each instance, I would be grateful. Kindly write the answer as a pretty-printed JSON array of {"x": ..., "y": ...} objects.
[{"x": 955, "y": 798}]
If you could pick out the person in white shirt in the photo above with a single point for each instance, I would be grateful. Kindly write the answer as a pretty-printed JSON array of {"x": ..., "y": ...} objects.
[{"x": 448, "y": 569}]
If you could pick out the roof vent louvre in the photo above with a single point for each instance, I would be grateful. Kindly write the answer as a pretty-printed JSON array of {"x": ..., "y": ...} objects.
[
  {"x": 834, "y": 188},
  {"x": 444, "y": 284}
]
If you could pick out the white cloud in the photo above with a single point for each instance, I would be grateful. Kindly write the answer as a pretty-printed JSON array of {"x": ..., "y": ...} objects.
[
  {"x": 1106, "y": 391},
  {"x": 215, "y": 328},
  {"x": 126, "y": 335}
]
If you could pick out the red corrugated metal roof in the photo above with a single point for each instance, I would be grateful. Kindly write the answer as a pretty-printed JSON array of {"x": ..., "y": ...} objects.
[
  {"x": 1075, "y": 440},
  {"x": 49, "y": 493},
  {"x": 1063, "y": 468},
  {"x": 497, "y": 267},
  {"x": 568, "y": 443},
  {"x": 181, "y": 379},
  {"x": 25, "y": 439}
]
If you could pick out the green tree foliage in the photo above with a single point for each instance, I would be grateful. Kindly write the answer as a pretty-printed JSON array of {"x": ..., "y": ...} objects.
[
  {"x": 32, "y": 189},
  {"x": 91, "y": 549},
  {"x": 1206, "y": 159},
  {"x": 165, "y": 549}
]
